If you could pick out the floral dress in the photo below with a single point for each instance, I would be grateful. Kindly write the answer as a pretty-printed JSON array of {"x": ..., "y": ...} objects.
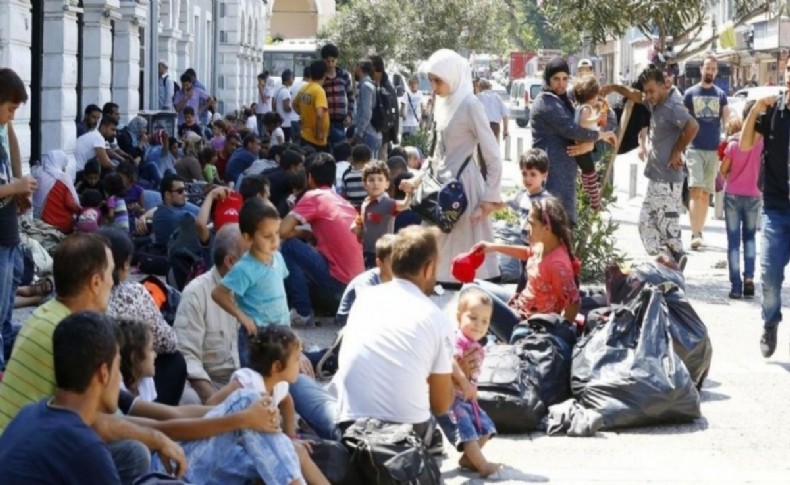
[{"x": 131, "y": 301}]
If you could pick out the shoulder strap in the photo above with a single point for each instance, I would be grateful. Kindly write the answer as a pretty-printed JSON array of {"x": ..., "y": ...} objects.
[
  {"x": 463, "y": 167},
  {"x": 413, "y": 110}
]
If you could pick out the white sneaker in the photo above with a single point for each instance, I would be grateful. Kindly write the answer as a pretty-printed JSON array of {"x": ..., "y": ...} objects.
[
  {"x": 697, "y": 242},
  {"x": 301, "y": 321}
]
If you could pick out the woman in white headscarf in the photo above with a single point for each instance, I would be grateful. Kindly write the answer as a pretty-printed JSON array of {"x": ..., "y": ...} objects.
[
  {"x": 461, "y": 125},
  {"x": 55, "y": 200}
]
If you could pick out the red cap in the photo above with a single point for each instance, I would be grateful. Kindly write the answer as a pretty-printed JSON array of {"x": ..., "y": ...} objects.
[
  {"x": 227, "y": 210},
  {"x": 465, "y": 264}
]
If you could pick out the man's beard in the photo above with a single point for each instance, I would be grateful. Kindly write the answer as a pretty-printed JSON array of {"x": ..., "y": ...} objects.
[{"x": 707, "y": 79}]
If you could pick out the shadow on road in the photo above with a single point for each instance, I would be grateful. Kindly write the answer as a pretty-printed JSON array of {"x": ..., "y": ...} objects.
[
  {"x": 508, "y": 474},
  {"x": 708, "y": 396},
  {"x": 671, "y": 429}
]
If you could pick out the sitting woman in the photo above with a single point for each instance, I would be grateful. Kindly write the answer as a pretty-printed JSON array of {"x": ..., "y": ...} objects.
[
  {"x": 55, "y": 200},
  {"x": 550, "y": 267},
  {"x": 131, "y": 300}
]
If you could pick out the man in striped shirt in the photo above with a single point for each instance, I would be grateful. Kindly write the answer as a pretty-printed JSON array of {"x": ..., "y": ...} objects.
[{"x": 339, "y": 90}]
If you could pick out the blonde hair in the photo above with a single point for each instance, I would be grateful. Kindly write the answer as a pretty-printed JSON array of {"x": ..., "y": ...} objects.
[
  {"x": 734, "y": 125},
  {"x": 471, "y": 295}
]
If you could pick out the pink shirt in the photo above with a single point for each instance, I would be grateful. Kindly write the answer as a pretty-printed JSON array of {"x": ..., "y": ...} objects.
[
  {"x": 551, "y": 285},
  {"x": 331, "y": 217},
  {"x": 744, "y": 169},
  {"x": 462, "y": 344}
]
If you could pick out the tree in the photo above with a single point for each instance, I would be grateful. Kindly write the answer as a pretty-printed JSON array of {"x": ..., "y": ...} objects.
[
  {"x": 680, "y": 20},
  {"x": 409, "y": 31}
]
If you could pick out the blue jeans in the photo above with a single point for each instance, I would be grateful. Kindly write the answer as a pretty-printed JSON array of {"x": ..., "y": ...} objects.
[
  {"x": 741, "y": 215},
  {"x": 337, "y": 134},
  {"x": 12, "y": 266},
  {"x": 776, "y": 255},
  {"x": 132, "y": 460},
  {"x": 304, "y": 264},
  {"x": 244, "y": 347},
  {"x": 316, "y": 406},
  {"x": 373, "y": 142},
  {"x": 503, "y": 319},
  {"x": 150, "y": 171}
]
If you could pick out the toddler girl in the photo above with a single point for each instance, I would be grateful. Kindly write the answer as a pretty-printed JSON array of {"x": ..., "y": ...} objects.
[
  {"x": 137, "y": 359},
  {"x": 588, "y": 114},
  {"x": 117, "y": 215}
]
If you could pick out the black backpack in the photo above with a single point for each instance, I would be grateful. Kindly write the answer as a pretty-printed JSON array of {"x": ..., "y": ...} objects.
[
  {"x": 184, "y": 254},
  {"x": 385, "y": 110}
]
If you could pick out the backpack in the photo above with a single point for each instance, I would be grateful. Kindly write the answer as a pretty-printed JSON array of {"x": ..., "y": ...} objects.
[
  {"x": 389, "y": 454},
  {"x": 385, "y": 110},
  {"x": 165, "y": 296},
  {"x": 176, "y": 87},
  {"x": 184, "y": 254}
]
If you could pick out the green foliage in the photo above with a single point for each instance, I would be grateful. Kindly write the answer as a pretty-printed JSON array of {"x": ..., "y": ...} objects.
[
  {"x": 421, "y": 140},
  {"x": 595, "y": 241}
]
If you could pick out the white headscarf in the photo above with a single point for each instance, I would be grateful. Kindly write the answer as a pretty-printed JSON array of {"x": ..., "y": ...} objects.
[
  {"x": 51, "y": 170},
  {"x": 454, "y": 70}
]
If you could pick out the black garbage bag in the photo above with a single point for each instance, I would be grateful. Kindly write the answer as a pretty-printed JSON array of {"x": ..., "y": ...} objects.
[
  {"x": 689, "y": 334},
  {"x": 509, "y": 267},
  {"x": 627, "y": 370}
]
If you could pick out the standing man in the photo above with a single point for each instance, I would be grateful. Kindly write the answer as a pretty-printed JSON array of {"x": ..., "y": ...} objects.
[
  {"x": 364, "y": 131},
  {"x": 495, "y": 109},
  {"x": 190, "y": 95},
  {"x": 339, "y": 91},
  {"x": 411, "y": 108},
  {"x": 391, "y": 133},
  {"x": 312, "y": 105},
  {"x": 282, "y": 103},
  {"x": 264, "y": 104},
  {"x": 296, "y": 123},
  {"x": 671, "y": 129},
  {"x": 584, "y": 68},
  {"x": 166, "y": 87},
  {"x": 708, "y": 105},
  {"x": 770, "y": 118}
]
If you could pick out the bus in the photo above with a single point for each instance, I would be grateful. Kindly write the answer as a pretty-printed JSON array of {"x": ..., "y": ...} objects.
[{"x": 293, "y": 54}]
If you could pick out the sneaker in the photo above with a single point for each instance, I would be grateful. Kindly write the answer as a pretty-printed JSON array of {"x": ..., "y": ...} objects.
[
  {"x": 768, "y": 341},
  {"x": 680, "y": 260},
  {"x": 436, "y": 448},
  {"x": 697, "y": 242},
  {"x": 735, "y": 295},
  {"x": 300, "y": 320},
  {"x": 748, "y": 290}
]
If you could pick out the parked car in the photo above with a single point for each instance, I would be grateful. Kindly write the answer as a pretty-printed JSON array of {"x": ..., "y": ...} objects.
[
  {"x": 522, "y": 92},
  {"x": 738, "y": 100}
]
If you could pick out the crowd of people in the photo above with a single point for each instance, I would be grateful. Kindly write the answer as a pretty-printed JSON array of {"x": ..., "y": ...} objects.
[{"x": 304, "y": 198}]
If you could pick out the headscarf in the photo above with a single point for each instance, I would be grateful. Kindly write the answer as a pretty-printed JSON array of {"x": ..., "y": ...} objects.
[
  {"x": 454, "y": 70},
  {"x": 137, "y": 124},
  {"x": 554, "y": 66},
  {"x": 51, "y": 170}
]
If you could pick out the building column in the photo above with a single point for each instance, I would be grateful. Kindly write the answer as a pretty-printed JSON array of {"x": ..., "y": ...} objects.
[
  {"x": 59, "y": 78},
  {"x": 15, "y": 43},
  {"x": 168, "y": 39},
  {"x": 97, "y": 52},
  {"x": 126, "y": 59},
  {"x": 229, "y": 67},
  {"x": 183, "y": 46}
]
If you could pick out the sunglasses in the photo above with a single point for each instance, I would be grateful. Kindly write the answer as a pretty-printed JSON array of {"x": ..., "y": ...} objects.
[{"x": 179, "y": 190}]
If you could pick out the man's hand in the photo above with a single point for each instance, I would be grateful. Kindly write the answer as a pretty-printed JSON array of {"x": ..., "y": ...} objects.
[
  {"x": 766, "y": 102},
  {"x": 24, "y": 185},
  {"x": 248, "y": 324},
  {"x": 470, "y": 361},
  {"x": 581, "y": 148},
  {"x": 306, "y": 367},
  {"x": 141, "y": 226},
  {"x": 469, "y": 390},
  {"x": 262, "y": 416},
  {"x": 171, "y": 455},
  {"x": 676, "y": 161},
  {"x": 219, "y": 193}
]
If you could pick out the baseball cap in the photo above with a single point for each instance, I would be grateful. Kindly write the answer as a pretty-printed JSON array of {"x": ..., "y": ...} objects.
[
  {"x": 464, "y": 266},
  {"x": 584, "y": 63},
  {"x": 163, "y": 61}
]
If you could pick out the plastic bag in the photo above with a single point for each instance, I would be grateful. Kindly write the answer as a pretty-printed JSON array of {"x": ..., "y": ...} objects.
[
  {"x": 627, "y": 370},
  {"x": 509, "y": 267}
]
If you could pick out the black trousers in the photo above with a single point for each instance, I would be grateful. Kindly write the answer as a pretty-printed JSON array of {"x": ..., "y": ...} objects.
[{"x": 170, "y": 378}]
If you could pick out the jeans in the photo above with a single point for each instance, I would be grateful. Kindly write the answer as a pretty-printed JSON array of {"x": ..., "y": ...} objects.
[
  {"x": 337, "y": 134},
  {"x": 12, "y": 266},
  {"x": 774, "y": 258},
  {"x": 741, "y": 215},
  {"x": 304, "y": 264},
  {"x": 373, "y": 142},
  {"x": 242, "y": 456},
  {"x": 503, "y": 319},
  {"x": 132, "y": 459},
  {"x": 150, "y": 171},
  {"x": 316, "y": 406},
  {"x": 244, "y": 347}
]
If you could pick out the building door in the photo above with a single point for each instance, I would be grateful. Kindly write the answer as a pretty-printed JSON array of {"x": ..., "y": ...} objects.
[{"x": 36, "y": 72}]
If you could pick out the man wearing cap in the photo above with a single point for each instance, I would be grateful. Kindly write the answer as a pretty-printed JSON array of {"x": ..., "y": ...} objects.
[
  {"x": 166, "y": 87},
  {"x": 584, "y": 68}
]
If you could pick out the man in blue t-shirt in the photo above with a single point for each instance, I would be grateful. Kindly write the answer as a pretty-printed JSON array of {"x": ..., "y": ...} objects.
[
  {"x": 52, "y": 441},
  {"x": 242, "y": 158},
  {"x": 708, "y": 105}
]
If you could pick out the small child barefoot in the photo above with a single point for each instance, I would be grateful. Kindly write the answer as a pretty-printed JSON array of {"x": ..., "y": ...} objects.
[{"x": 490, "y": 469}]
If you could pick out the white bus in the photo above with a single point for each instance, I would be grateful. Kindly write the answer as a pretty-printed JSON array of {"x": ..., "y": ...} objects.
[{"x": 293, "y": 54}]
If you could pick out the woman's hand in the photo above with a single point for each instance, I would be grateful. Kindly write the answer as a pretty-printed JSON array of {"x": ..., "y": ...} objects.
[
  {"x": 609, "y": 137},
  {"x": 409, "y": 185},
  {"x": 485, "y": 209},
  {"x": 581, "y": 148}
]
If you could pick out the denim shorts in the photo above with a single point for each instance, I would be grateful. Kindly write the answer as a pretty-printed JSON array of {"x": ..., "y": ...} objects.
[{"x": 460, "y": 425}]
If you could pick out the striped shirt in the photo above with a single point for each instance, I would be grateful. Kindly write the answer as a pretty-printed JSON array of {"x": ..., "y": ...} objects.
[
  {"x": 30, "y": 374},
  {"x": 339, "y": 95},
  {"x": 354, "y": 187}
]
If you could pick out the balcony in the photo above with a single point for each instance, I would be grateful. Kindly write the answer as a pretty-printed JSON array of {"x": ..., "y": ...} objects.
[{"x": 771, "y": 35}]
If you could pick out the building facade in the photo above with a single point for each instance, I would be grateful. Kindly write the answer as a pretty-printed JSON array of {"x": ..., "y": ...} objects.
[
  {"x": 72, "y": 53},
  {"x": 300, "y": 19}
]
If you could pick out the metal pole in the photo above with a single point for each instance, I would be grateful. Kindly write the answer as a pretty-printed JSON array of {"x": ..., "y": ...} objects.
[
  {"x": 519, "y": 146},
  {"x": 153, "y": 61},
  {"x": 507, "y": 148}
]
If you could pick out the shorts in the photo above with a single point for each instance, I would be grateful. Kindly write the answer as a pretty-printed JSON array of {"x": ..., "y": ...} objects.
[
  {"x": 703, "y": 165},
  {"x": 460, "y": 425}
]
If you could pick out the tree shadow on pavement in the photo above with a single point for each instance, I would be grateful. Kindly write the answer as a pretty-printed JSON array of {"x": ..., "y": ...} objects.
[
  {"x": 709, "y": 396},
  {"x": 508, "y": 474}
]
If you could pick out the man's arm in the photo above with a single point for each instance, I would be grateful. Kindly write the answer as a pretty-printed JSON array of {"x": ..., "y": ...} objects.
[
  {"x": 625, "y": 91},
  {"x": 287, "y": 104},
  {"x": 319, "y": 122},
  {"x": 163, "y": 412},
  {"x": 14, "y": 153},
  {"x": 688, "y": 134},
  {"x": 288, "y": 227},
  {"x": 181, "y": 104},
  {"x": 441, "y": 393},
  {"x": 103, "y": 158},
  {"x": 749, "y": 135},
  {"x": 201, "y": 222}
]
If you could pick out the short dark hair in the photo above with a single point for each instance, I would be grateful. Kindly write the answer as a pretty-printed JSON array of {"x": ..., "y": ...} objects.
[
  {"x": 375, "y": 167},
  {"x": 135, "y": 336},
  {"x": 12, "y": 88},
  {"x": 342, "y": 151},
  {"x": 252, "y": 185},
  {"x": 92, "y": 167},
  {"x": 109, "y": 107},
  {"x": 253, "y": 212},
  {"x": 113, "y": 184},
  {"x": 91, "y": 108},
  {"x": 290, "y": 159},
  {"x": 221, "y": 124},
  {"x": 306, "y": 72},
  {"x": 366, "y": 67},
  {"x": 167, "y": 183},
  {"x": 189, "y": 110},
  {"x": 361, "y": 154},
  {"x": 274, "y": 343},
  {"x": 652, "y": 74},
  {"x": 397, "y": 162},
  {"x": 277, "y": 151},
  {"x": 323, "y": 169},
  {"x": 287, "y": 75},
  {"x": 398, "y": 151},
  {"x": 81, "y": 343},
  {"x": 121, "y": 246},
  {"x": 330, "y": 50},
  {"x": 206, "y": 155},
  {"x": 535, "y": 159},
  {"x": 106, "y": 120},
  {"x": 91, "y": 198},
  {"x": 377, "y": 62},
  {"x": 191, "y": 73},
  {"x": 317, "y": 70},
  {"x": 586, "y": 88},
  {"x": 128, "y": 169},
  {"x": 264, "y": 75},
  {"x": 186, "y": 78},
  {"x": 271, "y": 118},
  {"x": 249, "y": 138},
  {"x": 77, "y": 258},
  {"x": 413, "y": 248}
]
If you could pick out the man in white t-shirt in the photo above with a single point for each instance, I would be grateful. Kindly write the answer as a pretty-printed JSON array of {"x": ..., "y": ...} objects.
[
  {"x": 93, "y": 144},
  {"x": 411, "y": 108},
  {"x": 396, "y": 361},
  {"x": 495, "y": 109},
  {"x": 296, "y": 124},
  {"x": 282, "y": 103}
]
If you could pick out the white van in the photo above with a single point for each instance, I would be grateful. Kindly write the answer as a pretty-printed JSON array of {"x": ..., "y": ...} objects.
[{"x": 522, "y": 92}]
